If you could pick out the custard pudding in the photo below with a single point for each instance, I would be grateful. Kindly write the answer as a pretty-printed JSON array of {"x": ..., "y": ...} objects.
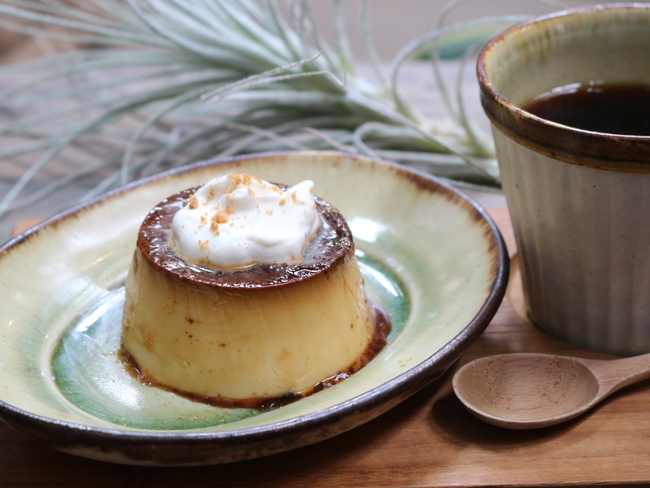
[{"x": 242, "y": 292}]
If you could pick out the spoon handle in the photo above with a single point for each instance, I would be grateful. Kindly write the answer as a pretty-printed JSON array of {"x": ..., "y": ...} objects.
[{"x": 619, "y": 373}]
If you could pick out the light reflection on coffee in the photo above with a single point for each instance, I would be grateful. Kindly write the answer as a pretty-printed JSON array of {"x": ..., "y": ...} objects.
[{"x": 612, "y": 108}]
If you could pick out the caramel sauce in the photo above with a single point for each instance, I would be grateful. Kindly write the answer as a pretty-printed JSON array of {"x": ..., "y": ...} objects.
[{"x": 329, "y": 246}]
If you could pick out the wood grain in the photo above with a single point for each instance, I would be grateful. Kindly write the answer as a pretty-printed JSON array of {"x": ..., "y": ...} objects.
[
  {"x": 428, "y": 440},
  {"x": 23, "y": 225}
]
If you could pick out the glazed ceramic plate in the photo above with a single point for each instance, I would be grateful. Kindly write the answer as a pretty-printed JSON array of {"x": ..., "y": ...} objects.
[{"x": 430, "y": 257}]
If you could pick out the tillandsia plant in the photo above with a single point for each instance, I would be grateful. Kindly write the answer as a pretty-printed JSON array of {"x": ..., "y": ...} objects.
[{"x": 153, "y": 84}]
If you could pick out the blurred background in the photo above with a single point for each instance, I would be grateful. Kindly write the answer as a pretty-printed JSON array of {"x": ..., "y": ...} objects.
[
  {"x": 397, "y": 22},
  {"x": 394, "y": 22},
  {"x": 393, "y": 25}
]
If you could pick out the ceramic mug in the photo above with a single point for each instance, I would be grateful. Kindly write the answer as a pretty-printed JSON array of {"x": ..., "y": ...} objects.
[{"x": 579, "y": 200}]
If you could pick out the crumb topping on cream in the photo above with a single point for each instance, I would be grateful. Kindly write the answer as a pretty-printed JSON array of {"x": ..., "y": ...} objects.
[{"x": 236, "y": 221}]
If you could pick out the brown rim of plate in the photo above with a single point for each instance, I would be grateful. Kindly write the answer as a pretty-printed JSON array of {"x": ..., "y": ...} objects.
[
  {"x": 166, "y": 448},
  {"x": 612, "y": 152}
]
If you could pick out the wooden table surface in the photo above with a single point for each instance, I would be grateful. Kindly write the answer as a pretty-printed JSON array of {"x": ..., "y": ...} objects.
[{"x": 428, "y": 440}]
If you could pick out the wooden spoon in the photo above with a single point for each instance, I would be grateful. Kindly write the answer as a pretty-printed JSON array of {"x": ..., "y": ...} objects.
[{"x": 528, "y": 391}]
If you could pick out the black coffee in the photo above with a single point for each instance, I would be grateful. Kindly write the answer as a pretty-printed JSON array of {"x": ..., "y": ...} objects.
[{"x": 610, "y": 108}]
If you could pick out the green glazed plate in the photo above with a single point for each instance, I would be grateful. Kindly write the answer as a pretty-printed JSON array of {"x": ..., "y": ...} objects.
[{"x": 431, "y": 257}]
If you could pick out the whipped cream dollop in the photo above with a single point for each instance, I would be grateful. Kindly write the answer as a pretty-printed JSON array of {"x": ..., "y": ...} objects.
[{"x": 236, "y": 221}]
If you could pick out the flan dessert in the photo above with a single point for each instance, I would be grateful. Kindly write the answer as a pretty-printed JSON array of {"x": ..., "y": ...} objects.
[{"x": 247, "y": 293}]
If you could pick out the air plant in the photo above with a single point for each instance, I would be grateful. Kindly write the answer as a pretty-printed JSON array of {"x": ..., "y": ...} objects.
[{"x": 154, "y": 84}]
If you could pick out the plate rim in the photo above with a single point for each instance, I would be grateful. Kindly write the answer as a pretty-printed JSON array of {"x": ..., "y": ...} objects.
[{"x": 397, "y": 388}]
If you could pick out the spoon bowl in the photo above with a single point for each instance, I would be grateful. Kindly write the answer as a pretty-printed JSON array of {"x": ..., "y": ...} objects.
[{"x": 527, "y": 391}]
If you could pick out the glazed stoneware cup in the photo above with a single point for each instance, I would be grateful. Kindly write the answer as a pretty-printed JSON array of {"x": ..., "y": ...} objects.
[{"x": 579, "y": 200}]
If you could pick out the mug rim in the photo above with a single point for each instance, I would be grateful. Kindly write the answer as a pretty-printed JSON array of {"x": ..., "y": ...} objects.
[{"x": 601, "y": 150}]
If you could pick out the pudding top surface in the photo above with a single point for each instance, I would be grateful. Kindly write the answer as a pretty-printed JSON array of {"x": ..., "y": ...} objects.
[{"x": 329, "y": 246}]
